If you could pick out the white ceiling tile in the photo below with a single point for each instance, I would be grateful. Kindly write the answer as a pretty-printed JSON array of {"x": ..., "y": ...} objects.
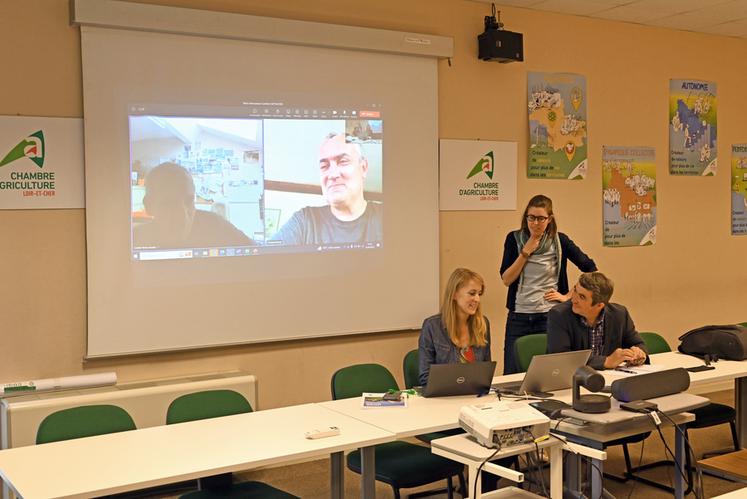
[
  {"x": 678, "y": 6},
  {"x": 633, "y": 14},
  {"x": 701, "y": 18},
  {"x": 723, "y": 17},
  {"x": 511, "y": 3},
  {"x": 576, "y": 7},
  {"x": 733, "y": 28}
]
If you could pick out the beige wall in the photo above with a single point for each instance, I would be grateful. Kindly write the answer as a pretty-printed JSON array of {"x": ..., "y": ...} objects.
[{"x": 692, "y": 276}]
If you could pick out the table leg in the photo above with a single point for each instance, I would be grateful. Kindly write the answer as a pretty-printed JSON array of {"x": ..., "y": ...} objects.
[
  {"x": 740, "y": 404},
  {"x": 572, "y": 467},
  {"x": 337, "y": 476},
  {"x": 679, "y": 462},
  {"x": 368, "y": 473},
  {"x": 473, "y": 479},
  {"x": 597, "y": 477},
  {"x": 556, "y": 472}
]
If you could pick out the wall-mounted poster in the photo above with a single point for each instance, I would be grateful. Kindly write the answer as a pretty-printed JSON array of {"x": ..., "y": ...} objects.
[
  {"x": 477, "y": 175},
  {"x": 629, "y": 192},
  {"x": 41, "y": 163},
  {"x": 557, "y": 126},
  {"x": 739, "y": 189},
  {"x": 692, "y": 127}
]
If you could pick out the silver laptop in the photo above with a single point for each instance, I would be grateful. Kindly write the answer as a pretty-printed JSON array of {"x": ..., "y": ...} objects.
[
  {"x": 472, "y": 378},
  {"x": 552, "y": 371}
]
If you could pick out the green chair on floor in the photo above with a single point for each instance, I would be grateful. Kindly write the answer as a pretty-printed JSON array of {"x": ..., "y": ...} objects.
[
  {"x": 402, "y": 465},
  {"x": 83, "y": 421},
  {"x": 213, "y": 404},
  {"x": 527, "y": 347}
]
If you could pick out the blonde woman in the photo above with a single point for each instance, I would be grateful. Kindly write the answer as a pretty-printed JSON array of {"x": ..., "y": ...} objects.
[{"x": 459, "y": 333}]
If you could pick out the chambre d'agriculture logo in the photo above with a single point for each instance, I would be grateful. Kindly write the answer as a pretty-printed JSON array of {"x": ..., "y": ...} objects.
[
  {"x": 484, "y": 191},
  {"x": 485, "y": 164},
  {"x": 35, "y": 183}
]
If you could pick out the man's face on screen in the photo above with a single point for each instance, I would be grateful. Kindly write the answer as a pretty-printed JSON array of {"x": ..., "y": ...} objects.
[
  {"x": 171, "y": 203},
  {"x": 342, "y": 171}
]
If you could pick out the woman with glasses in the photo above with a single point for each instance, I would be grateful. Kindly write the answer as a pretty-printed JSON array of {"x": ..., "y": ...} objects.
[{"x": 534, "y": 265}]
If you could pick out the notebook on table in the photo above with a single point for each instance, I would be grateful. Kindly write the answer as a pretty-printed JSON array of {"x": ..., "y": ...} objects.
[
  {"x": 471, "y": 378},
  {"x": 552, "y": 371}
]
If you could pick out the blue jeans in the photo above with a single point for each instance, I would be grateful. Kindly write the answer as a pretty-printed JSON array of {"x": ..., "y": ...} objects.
[{"x": 518, "y": 325}]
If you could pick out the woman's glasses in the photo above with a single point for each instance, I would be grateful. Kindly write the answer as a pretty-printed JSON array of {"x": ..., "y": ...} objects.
[{"x": 532, "y": 218}]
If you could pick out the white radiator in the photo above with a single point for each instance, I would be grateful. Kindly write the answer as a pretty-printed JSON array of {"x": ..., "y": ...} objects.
[{"x": 146, "y": 402}]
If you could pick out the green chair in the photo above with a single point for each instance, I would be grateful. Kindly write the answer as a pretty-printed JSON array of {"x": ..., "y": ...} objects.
[
  {"x": 655, "y": 343},
  {"x": 402, "y": 465},
  {"x": 205, "y": 405},
  {"x": 411, "y": 369},
  {"x": 527, "y": 347},
  {"x": 213, "y": 404},
  {"x": 83, "y": 421}
]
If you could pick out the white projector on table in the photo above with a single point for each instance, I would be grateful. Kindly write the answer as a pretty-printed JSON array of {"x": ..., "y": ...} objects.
[{"x": 502, "y": 424}]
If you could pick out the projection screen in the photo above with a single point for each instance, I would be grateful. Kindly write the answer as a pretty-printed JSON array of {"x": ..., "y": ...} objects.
[{"x": 241, "y": 191}]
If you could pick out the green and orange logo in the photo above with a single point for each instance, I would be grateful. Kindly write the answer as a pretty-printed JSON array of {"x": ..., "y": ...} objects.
[
  {"x": 485, "y": 164},
  {"x": 31, "y": 147}
]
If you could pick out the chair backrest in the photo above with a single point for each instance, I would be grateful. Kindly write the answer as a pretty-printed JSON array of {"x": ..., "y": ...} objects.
[
  {"x": 83, "y": 421},
  {"x": 206, "y": 404},
  {"x": 655, "y": 343},
  {"x": 351, "y": 381},
  {"x": 411, "y": 368},
  {"x": 527, "y": 347}
]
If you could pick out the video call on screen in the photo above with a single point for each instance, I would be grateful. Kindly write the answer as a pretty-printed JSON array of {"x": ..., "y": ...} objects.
[{"x": 259, "y": 179}]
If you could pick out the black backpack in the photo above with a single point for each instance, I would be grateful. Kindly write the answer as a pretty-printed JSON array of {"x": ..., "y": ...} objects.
[{"x": 728, "y": 342}]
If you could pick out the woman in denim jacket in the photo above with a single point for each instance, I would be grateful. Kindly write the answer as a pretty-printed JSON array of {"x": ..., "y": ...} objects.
[{"x": 460, "y": 333}]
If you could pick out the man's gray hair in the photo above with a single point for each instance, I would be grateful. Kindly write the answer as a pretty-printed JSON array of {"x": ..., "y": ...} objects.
[
  {"x": 358, "y": 148},
  {"x": 600, "y": 285}
]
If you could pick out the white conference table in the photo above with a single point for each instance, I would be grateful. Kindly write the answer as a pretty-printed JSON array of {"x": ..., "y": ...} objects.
[
  {"x": 132, "y": 460},
  {"x": 424, "y": 415},
  {"x": 725, "y": 370}
]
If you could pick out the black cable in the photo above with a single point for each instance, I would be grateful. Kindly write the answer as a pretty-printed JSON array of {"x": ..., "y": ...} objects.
[
  {"x": 676, "y": 464},
  {"x": 640, "y": 460},
  {"x": 539, "y": 463},
  {"x": 691, "y": 451},
  {"x": 601, "y": 475},
  {"x": 479, "y": 468}
]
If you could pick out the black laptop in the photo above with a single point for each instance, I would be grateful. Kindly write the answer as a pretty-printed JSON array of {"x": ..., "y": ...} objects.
[{"x": 472, "y": 378}]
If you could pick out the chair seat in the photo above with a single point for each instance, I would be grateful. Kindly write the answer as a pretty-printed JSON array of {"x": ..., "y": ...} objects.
[
  {"x": 245, "y": 490},
  {"x": 633, "y": 439},
  {"x": 405, "y": 465},
  {"x": 711, "y": 415}
]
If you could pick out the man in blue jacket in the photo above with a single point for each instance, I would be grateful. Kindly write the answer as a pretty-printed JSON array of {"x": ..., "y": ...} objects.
[{"x": 588, "y": 321}]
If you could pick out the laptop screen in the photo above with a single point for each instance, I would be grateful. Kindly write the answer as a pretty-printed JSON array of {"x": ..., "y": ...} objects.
[{"x": 470, "y": 378}]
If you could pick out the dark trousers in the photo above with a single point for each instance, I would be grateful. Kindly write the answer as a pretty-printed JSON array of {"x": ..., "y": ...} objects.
[{"x": 518, "y": 325}]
